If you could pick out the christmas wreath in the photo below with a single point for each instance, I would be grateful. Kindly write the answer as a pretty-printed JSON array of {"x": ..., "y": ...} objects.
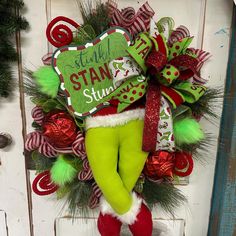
[{"x": 117, "y": 114}]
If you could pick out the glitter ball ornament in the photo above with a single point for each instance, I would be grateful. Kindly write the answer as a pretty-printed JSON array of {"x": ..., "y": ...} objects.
[
  {"x": 159, "y": 165},
  {"x": 60, "y": 129}
]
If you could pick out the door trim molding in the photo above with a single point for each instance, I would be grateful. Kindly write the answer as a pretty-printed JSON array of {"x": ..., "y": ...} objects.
[{"x": 222, "y": 220}]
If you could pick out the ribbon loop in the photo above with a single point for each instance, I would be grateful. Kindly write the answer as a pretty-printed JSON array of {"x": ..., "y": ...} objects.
[
  {"x": 140, "y": 49},
  {"x": 190, "y": 92},
  {"x": 168, "y": 75}
]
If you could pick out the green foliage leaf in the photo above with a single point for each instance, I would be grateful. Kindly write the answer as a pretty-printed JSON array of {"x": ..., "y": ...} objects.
[
  {"x": 84, "y": 34},
  {"x": 51, "y": 104},
  {"x": 41, "y": 162},
  {"x": 63, "y": 191}
]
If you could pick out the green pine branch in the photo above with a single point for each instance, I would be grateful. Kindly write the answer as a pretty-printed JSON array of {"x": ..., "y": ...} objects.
[{"x": 10, "y": 22}]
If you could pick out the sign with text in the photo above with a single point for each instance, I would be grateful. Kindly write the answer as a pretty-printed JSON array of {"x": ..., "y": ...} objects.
[{"x": 84, "y": 72}]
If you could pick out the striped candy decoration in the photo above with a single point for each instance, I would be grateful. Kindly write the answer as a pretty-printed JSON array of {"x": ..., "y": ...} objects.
[
  {"x": 43, "y": 185},
  {"x": 127, "y": 19}
]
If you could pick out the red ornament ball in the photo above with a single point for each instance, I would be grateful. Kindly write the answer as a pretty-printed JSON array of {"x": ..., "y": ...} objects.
[
  {"x": 60, "y": 129},
  {"x": 159, "y": 165}
]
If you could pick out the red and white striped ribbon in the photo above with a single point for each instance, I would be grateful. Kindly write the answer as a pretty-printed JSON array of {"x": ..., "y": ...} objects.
[
  {"x": 37, "y": 115},
  {"x": 36, "y": 140},
  {"x": 202, "y": 57},
  {"x": 47, "y": 59},
  {"x": 95, "y": 197},
  {"x": 86, "y": 172},
  {"x": 178, "y": 34},
  {"x": 127, "y": 19},
  {"x": 78, "y": 146}
]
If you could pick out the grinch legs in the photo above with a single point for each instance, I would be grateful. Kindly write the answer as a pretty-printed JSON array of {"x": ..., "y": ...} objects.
[
  {"x": 102, "y": 149},
  {"x": 131, "y": 156},
  {"x": 131, "y": 162},
  {"x": 103, "y": 146}
]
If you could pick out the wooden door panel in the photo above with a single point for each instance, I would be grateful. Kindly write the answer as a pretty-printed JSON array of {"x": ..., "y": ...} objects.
[
  {"x": 13, "y": 197},
  {"x": 3, "y": 223}
]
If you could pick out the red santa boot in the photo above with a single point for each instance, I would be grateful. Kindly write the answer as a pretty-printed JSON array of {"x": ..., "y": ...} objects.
[
  {"x": 139, "y": 218},
  {"x": 108, "y": 225},
  {"x": 143, "y": 223}
]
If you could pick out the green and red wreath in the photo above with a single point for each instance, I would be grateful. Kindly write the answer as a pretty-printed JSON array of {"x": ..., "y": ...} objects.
[{"x": 117, "y": 114}]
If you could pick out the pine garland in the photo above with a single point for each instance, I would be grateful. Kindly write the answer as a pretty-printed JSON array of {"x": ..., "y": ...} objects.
[{"x": 10, "y": 22}]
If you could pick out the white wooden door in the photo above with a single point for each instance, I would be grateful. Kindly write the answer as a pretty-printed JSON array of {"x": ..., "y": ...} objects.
[
  {"x": 209, "y": 21},
  {"x": 14, "y": 204}
]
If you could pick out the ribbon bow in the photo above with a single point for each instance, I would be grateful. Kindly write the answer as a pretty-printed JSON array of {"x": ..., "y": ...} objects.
[{"x": 173, "y": 73}]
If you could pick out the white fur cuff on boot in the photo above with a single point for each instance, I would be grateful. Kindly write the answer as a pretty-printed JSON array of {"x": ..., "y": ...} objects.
[{"x": 130, "y": 216}]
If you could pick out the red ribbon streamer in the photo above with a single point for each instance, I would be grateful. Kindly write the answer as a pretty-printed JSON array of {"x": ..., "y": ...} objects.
[{"x": 60, "y": 35}]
